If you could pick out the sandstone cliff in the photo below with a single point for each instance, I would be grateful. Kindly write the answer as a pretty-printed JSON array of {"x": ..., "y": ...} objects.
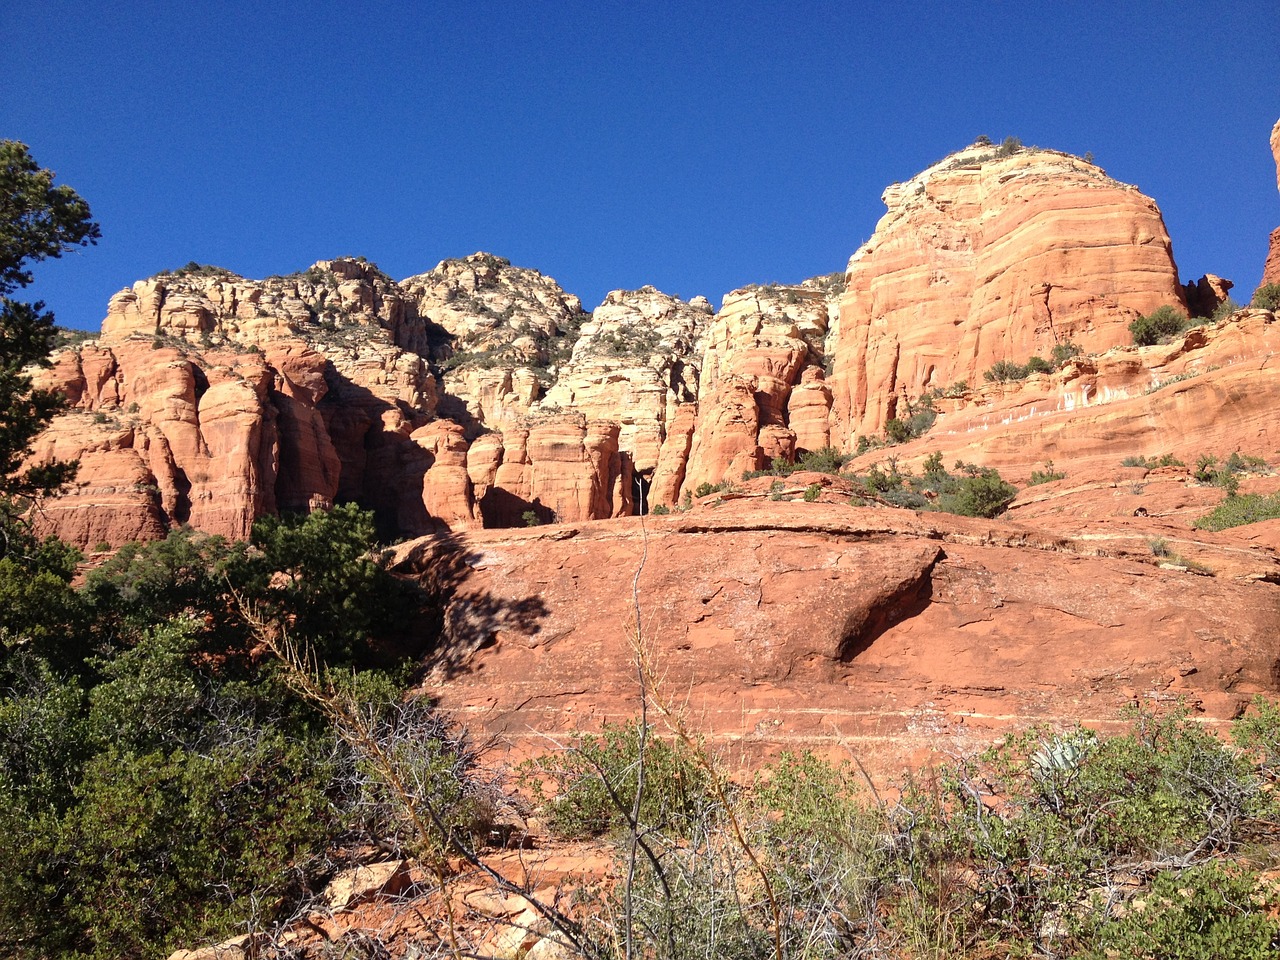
[
  {"x": 991, "y": 254},
  {"x": 1271, "y": 270},
  {"x": 802, "y": 625},
  {"x": 481, "y": 394},
  {"x": 762, "y": 391}
]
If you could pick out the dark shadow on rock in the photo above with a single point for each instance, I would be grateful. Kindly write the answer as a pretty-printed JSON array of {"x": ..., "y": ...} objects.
[
  {"x": 870, "y": 621},
  {"x": 458, "y": 620}
]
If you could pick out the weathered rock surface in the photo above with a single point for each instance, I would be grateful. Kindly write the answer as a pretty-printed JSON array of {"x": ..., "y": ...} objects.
[
  {"x": 636, "y": 360},
  {"x": 1213, "y": 391},
  {"x": 1271, "y": 270},
  {"x": 496, "y": 329},
  {"x": 985, "y": 257},
  {"x": 760, "y": 344},
  {"x": 809, "y": 625},
  {"x": 227, "y": 399}
]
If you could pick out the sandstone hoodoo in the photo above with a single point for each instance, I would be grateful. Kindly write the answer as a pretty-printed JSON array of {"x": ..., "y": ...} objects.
[
  {"x": 1271, "y": 271},
  {"x": 994, "y": 253}
]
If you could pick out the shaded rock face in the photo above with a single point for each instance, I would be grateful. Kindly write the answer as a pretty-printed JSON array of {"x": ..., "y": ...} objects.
[
  {"x": 795, "y": 625},
  {"x": 983, "y": 258}
]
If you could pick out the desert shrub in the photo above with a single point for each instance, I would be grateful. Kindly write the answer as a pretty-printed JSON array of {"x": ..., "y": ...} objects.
[
  {"x": 1047, "y": 475},
  {"x": 593, "y": 783},
  {"x": 706, "y": 488},
  {"x": 531, "y": 518},
  {"x": 1208, "y": 912},
  {"x": 1225, "y": 474},
  {"x": 812, "y": 492},
  {"x": 1003, "y": 371},
  {"x": 826, "y": 844},
  {"x": 1062, "y": 353},
  {"x": 1009, "y": 147},
  {"x": 1164, "y": 322},
  {"x": 660, "y": 509},
  {"x": 1039, "y": 365},
  {"x": 1043, "y": 818},
  {"x": 1225, "y": 309},
  {"x": 1241, "y": 509},
  {"x": 1267, "y": 297},
  {"x": 983, "y": 494},
  {"x": 1150, "y": 463},
  {"x": 824, "y": 460}
]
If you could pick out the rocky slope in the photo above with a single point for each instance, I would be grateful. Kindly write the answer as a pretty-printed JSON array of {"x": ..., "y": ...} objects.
[{"x": 793, "y": 624}]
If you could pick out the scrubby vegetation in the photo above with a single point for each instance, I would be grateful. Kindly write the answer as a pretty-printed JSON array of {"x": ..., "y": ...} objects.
[
  {"x": 1162, "y": 324},
  {"x": 1150, "y": 463},
  {"x": 1238, "y": 509},
  {"x": 971, "y": 492},
  {"x": 1054, "y": 842},
  {"x": 1047, "y": 475},
  {"x": 160, "y": 779},
  {"x": 1267, "y": 297}
]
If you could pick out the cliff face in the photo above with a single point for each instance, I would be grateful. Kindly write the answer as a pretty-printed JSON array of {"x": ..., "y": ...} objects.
[
  {"x": 481, "y": 394},
  {"x": 1271, "y": 270},
  {"x": 809, "y": 625},
  {"x": 761, "y": 390},
  {"x": 985, "y": 257}
]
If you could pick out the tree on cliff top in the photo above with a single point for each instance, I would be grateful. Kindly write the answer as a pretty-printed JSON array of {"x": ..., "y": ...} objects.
[{"x": 38, "y": 221}]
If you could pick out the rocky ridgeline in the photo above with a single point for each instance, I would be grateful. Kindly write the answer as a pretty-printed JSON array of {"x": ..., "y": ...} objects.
[{"x": 479, "y": 394}]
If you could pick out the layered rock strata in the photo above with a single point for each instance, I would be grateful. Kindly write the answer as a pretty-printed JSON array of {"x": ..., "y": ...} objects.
[
  {"x": 992, "y": 254},
  {"x": 806, "y": 625},
  {"x": 1271, "y": 269},
  {"x": 764, "y": 343}
]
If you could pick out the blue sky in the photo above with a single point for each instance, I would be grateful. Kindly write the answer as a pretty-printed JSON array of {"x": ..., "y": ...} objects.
[{"x": 696, "y": 147}]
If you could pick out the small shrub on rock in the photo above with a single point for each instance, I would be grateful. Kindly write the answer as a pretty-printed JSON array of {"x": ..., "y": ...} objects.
[
  {"x": 1267, "y": 297},
  {"x": 1162, "y": 323}
]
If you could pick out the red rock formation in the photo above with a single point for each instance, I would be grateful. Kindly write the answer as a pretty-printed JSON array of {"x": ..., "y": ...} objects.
[
  {"x": 1206, "y": 295},
  {"x": 757, "y": 347},
  {"x": 1271, "y": 270},
  {"x": 983, "y": 258},
  {"x": 1212, "y": 391},
  {"x": 794, "y": 624}
]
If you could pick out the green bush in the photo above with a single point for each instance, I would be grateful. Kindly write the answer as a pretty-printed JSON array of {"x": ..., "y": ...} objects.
[
  {"x": 1241, "y": 509},
  {"x": 593, "y": 783},
  {"x": 1208, "y": 912},
  {"x": 1267, "y": 297},
  {"x": 1062, "y": 353},
  {"x": 1047, "y": 475},
  {"x": 1164, "y": 322},
  {"x": 1150, "y": 463},
  {"x": 1002, "y": 371},
  {"x": 812, "y": 492},
  {"x": 1225, "y": 309},
  {"x": 984, "y": 494}
]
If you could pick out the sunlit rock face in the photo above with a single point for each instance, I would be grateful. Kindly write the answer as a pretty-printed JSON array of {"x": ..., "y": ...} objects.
[
  {"x": 992, "y": 255},
  {"x": 1271, "y": 270}
]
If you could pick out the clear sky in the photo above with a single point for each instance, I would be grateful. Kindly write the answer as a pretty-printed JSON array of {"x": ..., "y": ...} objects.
[{"x": 694, "y": 146}]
